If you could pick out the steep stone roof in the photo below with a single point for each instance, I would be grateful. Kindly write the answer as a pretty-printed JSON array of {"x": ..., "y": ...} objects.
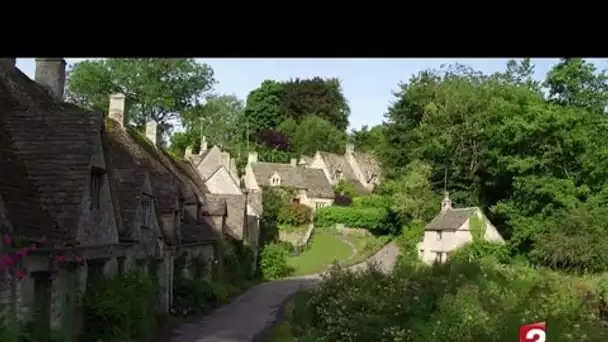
[
  {"x": 215, "y": 205},
  {"x": 236, "y": 206},
  {"x": 336, "y": 162},
  {"x": 313, "y": 180},
  {"x": 368, "y": 164},
  {"x": 195, "y": 230},
  {"x": 20, "y": 198},
  {"x": 54, "y": 141},
  {"x": 122, "y": 147},
  {"x": 452, "y": 219}
]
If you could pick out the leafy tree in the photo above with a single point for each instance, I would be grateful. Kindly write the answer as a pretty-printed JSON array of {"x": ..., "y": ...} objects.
[
  {"x": 263, "y": 107},
  {"x": 313, "y": 134},
  {"x": 369, "y": 140},
  {"x": 318, "y": 97},
  {"x": 156, "y": 88},
  {"x": 575, "y": 82}
]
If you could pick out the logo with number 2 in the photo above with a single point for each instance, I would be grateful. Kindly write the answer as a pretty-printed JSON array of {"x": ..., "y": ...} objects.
[{"x": 534, "y": 332}]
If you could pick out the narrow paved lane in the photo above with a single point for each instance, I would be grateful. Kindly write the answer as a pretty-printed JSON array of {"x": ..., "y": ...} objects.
[{"x": 249, "y": 314}]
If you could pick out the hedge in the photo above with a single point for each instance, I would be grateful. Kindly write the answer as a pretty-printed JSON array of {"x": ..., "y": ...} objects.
[
  {"x": 294, "y": 214},
  {"x": 368, "y": 218},
  {"x": 373, "y": 201}
]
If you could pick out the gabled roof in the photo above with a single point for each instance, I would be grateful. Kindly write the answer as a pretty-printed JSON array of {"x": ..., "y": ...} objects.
[
  {"x": 21, "y": 199},
  {"x": 126, "y": 185},
  {"x": 54, "y": 141},
  {"x": 336, "y": 162},
  {"x": 236, "y": 206},
  {"x": 313, "y": 180},
  {"x": 368, "y": 164},
  {"x": 215, "y": 205},
  {"x": 452, "y": 219},
  {"x": 122, "y": 147}
]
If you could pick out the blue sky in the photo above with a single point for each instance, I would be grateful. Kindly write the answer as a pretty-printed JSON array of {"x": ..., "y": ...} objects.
[{"x": 367, "y": 83}]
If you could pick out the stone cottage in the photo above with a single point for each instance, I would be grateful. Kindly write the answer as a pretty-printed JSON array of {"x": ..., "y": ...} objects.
[
  {"x": 451, "y": 229},
  {"x": 59, "y": 157},
  {"x": 310, "y": 184},
  {"x": 362, "y": 170},
  {"x": 190, "y": 223}
]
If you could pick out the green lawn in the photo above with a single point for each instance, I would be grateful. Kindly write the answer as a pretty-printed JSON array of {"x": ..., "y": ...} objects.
[
  {"x": 366, "y": 247},
  {"x": 324, "y": 249}
]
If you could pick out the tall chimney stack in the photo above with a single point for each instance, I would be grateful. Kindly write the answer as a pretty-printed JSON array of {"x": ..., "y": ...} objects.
[
  {"x": 117, "y": 108},
  {"x": 153, "y": 133},
  {"x": 50, "y": 72}
]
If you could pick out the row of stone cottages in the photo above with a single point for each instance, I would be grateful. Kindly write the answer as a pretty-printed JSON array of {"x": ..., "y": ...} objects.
[{"x": 108, "y": 195}]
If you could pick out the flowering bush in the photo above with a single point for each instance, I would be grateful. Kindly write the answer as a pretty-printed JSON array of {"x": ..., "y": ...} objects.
[
  {"x": 456, "y": 301},
  {"x": 294, "y": 214},
  {"x": 16, "y": 248}
]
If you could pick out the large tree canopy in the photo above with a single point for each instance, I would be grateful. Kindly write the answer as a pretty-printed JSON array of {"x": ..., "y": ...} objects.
[
  {"x": 157, "y": 89},
  {"x": 538, "y": 166}
]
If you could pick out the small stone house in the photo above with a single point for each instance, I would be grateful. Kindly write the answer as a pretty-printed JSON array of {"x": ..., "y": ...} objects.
[
  {"x": 58, "y": 156},
  {"x": 216, "y": 168},
  {"x": 451, "y": 229},
  {"x": 181, "y": 201},
  {"x": 310, "y": 185},
  {"x": 360, "y": 169}
]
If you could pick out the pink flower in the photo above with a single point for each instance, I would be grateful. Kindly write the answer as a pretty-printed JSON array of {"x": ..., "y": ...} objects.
[
  {"x": 22, "y": 252},
  {"x": 33, "y": 247},
  {"x": 78, "y": 258},
  {"x": 59, "y": 258},
  {"x": 20, "y": 274},
  {"x": 7, "y": 261},
  {"x": 7, "y": 239},
  {"x": 43, "y": 239}
]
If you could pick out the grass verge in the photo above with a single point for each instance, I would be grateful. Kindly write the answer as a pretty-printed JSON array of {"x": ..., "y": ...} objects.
[{"x": 324, "y": 249}]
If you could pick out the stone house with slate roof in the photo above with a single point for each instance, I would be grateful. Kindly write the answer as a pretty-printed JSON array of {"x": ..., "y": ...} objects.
[
  {"x": 451, "y": 229},
  {"x": 362, "y": 170},
  {"x": 55, "y": 151},
  {"x": 311, "y": 186}
]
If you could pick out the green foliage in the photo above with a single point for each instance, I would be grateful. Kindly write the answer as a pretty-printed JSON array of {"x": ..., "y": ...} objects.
[
  {"x": 220, "y": 120},
  {"x": 156, "y": 88},
  {"x": 480, "y": 249},
  {"x": 370, "y": 140},
  {"x": 377, "y": 220},
  {"x": 372, "y": 201},
  {"x": 198, "y": 295},
  {"x": 346, "y": 188},
  {"x": 478, "y": 227},
  {"x": 294, "y": 214},
  {"x": 273, "y": 261},
  {"x": 535, "y": 166},
  {"x": 300, "y": 134},
  {"x": 121, "y": 308},
  {"x": 410, "y": 236},
  {"x": 457, "y": 301},
  {"x": 272, "y": 202}
]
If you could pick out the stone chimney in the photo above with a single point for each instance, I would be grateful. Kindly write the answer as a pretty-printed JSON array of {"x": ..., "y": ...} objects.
[
  {"x": 203, "y": 145},
  {"x": 153, "y": 133},
  {"x": 350, "y": 147},
  {"x": 50, "y": 72},
  {"x": 226, "y": 160},
  {"x": 293, "y": 162},
  {"x": 10, "y": 62},
  {"x": 188, "y": 152},
  {"x": 116, "y": 111},
  {"x": 252, "y": 157},
  {"x": 446, "y": 203}
]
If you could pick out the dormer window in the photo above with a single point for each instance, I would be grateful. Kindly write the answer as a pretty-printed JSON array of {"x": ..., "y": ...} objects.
[
  {"x": 146, "y": 211},
  {"x": 275, "y": 180},
  {"x": 95, "y": 187},
  {"x": 337, "y": 175}
]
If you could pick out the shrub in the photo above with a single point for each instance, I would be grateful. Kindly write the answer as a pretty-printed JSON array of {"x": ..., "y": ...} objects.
[
  {"x": 273, "y": 261},
  {"x": 197, "y": 296},
  {"x": 373, "y": 201},
  {"x": 374, "y": 219},
  {"x": 121, "y": 308},
  {"x": 294, "y": 214},
  {"x": 456, "y": 301},
  {"x": 481, "y": 249},
  {"x": 346, "y": 188}
]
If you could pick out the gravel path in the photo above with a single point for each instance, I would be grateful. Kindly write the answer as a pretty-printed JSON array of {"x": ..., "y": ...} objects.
[{"x": 249, "y": 315}]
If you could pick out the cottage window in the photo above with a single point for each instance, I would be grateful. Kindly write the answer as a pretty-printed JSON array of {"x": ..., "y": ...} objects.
[
  {"x": 275, "y": 180},
  {"x": 295, "y": 201},
  {"x": 96, "y": 184},
  {"x": 337, "y": 175},
  {"x": 146, "y": 211},
  {"x": 438, "y": 236},
  {"x": 42, "y": 301}
]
